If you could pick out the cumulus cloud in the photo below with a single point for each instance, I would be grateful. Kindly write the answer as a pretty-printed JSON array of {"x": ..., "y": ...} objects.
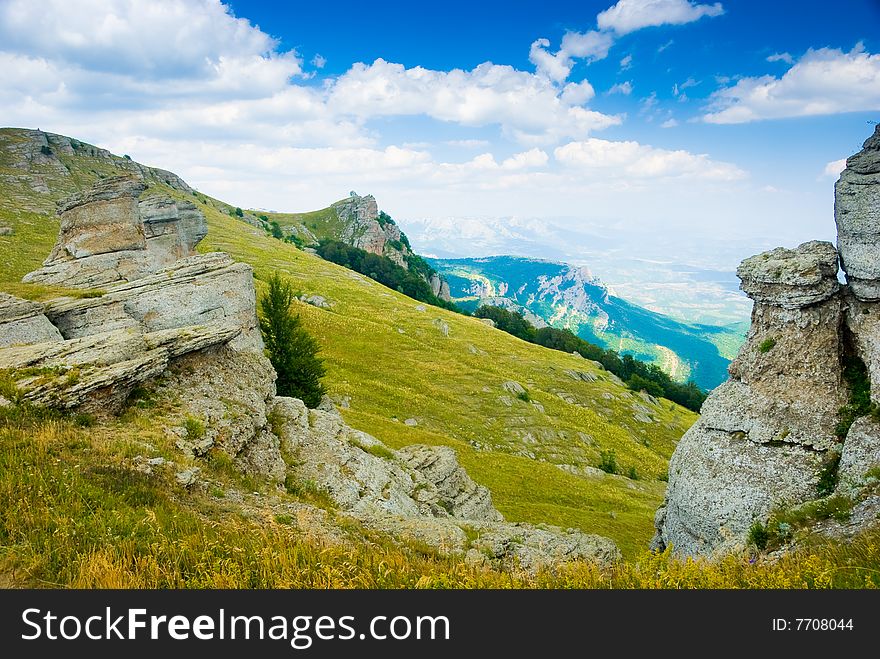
[
  {"x": 624, "y": 88},
  {"x": 632, "y": 159},
  {"x": 589, "y": 46},
  {"x": 180, "y": 38},
  {"x": 781, "y": 57},
  {"x": 825, "y": 81},
  {"x": 626, "y": 63},
  {"x": 528, "y": 107},
  {"x": 669, "y": 123},
  {"x": 631, "y": 15}
]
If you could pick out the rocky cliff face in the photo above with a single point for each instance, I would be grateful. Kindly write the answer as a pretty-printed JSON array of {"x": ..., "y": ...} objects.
[
  {"x": 362, "y": 228},
  {"x": 767, "y": 434}
]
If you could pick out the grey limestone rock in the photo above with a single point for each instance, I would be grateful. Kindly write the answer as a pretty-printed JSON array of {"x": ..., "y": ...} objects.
[
  {"x": 861, "y": 452},
  {"x": 857, "y": 214},
  {"x": 23, "y": 322},
  {"x": 791, "y": 278}
]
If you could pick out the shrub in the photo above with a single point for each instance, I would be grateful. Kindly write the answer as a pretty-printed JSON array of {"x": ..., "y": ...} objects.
[
  {"x": 828, "y": 473},
  {"x": 524, "y": 396},
  {"x": 239, "y": 212},
  {"x": 292, "y": 350},
  {"x": 608, "y": 462},
  {"x": 194, "y": 428},
  {"x": 766, "y": 345},
  {"x": 632, "y": 474},
  {"x": 759, "y": 535}
]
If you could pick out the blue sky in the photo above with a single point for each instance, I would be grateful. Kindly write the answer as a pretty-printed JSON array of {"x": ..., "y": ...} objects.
[{"x": 660, "y": 132}]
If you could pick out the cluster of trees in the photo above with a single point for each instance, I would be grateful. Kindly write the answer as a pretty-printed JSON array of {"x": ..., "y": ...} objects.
[
  {"x": 637, "y": 374},
  {"x": 385, "y": 271}
]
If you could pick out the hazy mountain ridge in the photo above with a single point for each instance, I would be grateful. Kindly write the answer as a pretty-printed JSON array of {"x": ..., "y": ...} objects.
[{"x": 572, "y": 297}]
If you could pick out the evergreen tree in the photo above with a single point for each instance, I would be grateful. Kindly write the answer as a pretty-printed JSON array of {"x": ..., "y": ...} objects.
[{"x": 292, "y": 350}]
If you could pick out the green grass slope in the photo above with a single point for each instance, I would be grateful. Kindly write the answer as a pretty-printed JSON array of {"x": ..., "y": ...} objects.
[{"x": 390, "y": 356}]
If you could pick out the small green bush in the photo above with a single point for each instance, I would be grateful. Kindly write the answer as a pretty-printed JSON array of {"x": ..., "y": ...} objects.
[
  {"x": 632, "y": 474},
  {"x": 524, "y": 396},
  {"x": 766, "y": 345},
  {"x": 759, "y": 536},
  {"x": 608, "y": 462},
  {"x": 194, "y": 428}
]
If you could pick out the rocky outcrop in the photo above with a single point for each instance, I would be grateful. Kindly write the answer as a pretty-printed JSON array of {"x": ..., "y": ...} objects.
[
  {"x": 107, "y": 236},
  {"x": 857, "y": 214},
  {"x": 418, "y": 492},
  {"x": 766, "y": 435},
  {"x": 199, "y": 290},
  {"x": 23, "y": 322},
  {"x": 97, "y": 372},
  {"x": 164, "y": 312}
]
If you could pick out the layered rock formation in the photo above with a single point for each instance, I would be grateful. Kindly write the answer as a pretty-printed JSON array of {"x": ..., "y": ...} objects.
[
  {"x": 107, "y": 236},
  {"x": 857, "y": 214},
  {"x": 164, "y": 311},
  {"x": 767, "y": 433}
]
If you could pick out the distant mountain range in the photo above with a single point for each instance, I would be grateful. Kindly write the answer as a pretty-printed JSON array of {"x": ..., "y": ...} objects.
[{"x": 564, "y": 296}]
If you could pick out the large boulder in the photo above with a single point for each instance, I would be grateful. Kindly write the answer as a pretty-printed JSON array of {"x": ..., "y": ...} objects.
[
  {"x": 457, "y": 492},
  {"x": 860, "y": 454},
  {"x": 201, "y": 289},
  {"x": 23, "y": 322},
  {"x": 791, "y": 278},
  {"x": 108, "y": 236},
  {"x": 102, "y": 219},
  {"x": 857, "y": 214},
  {"x": 97, "y": 372}
]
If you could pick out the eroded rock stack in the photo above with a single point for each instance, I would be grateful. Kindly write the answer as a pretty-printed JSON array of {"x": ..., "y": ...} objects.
[
  {"x": 161, "y": 310},
  {"x": 765, "y": 435}
]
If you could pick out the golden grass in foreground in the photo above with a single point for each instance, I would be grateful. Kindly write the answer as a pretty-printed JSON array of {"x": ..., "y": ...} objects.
[{"x": 73, "y": 515}]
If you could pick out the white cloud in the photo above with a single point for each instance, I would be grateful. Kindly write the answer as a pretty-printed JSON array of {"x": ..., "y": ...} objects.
[
  {"x": 781, "y": 57},
  {"x": 631, "y": 15},
  {"x": 528, "y": 107},
  {"x": 826, "y": 81},
  {"x": 626, "y": 63},
  {"x": 183, "y": 38},
  {"x": 590, "y": 46},
  {"x": 556, "y": 67},
  {"x": 669, "y": 123},
  {"x": 577, "y": 93},
  {"x": 319, "y": 61},
  {"x": 468, "y": 144},
  {"x": 631, "y": 159},
  {"x": 665, "y": 46},
  {"x": 834, "y": 168},
  {"x": 624, "y": 88}
]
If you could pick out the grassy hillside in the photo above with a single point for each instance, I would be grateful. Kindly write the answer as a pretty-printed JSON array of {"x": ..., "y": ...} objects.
[{"x": 388, "y": 355}]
